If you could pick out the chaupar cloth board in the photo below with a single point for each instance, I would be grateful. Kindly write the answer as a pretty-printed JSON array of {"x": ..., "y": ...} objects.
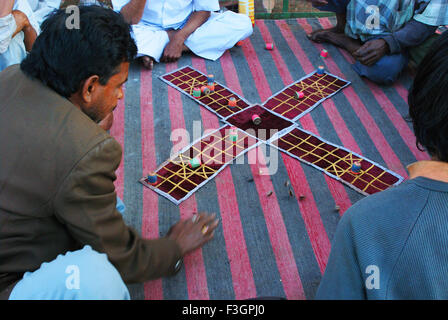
[
  {"x": 337, "y": 162},
  {"x": 315, "y": 89},
  {"x": 186, "y": 79},
  {"x": 177, "y": 179},
  {"x": 275, "y": 231}
]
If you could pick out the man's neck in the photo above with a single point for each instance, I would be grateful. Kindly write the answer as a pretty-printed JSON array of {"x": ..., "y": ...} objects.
[{"x": 431, "y": 169}]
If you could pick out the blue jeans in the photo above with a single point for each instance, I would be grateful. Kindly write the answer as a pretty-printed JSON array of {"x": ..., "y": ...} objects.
[
  {"x": 386, "y": 71},
  {"x": 79, "y": 275}
]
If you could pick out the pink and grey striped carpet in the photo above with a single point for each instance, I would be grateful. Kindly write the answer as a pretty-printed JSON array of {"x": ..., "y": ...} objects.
[{"x": 265, "y": 245}]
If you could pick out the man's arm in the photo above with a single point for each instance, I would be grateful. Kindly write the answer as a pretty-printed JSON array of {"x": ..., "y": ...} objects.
[
  {"x": 412, "y": 34},
  {"x": 133, "y": 11},
  {"x": 173, "y": 49},
  {"x": 85, "y": 204},
  {"x": 23, "y": 24}
]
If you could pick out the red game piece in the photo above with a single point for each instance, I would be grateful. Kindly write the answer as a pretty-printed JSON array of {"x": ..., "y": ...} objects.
[
  {"x": 256, "y": 119},
  {"x": 324, "y": 53},
  {"x": 269, "y": 46}
]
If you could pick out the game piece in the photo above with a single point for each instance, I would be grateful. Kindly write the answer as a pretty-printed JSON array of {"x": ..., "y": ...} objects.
[
  {"x": 299, "y": 95},
  {"x": 185, "y": 79},
  {"x": 176, "y": 180},
  {"x": 337, "y": 208},
  {"x": 256, "y": 119},
  {"x": 211, "y": 86},
  {"x": 320, "y": 70},
  {"x": 269, "y": 46},
  {"x": 233, "y": 134},
  {"x": 194, "y": 163},
  {"x": 336, "y": 161},
  {"x": 232, "y": 102},
  {"x": 324, "y": 53},
  {"x": 356, "y": 167},
  {"x": 152, "y": 178},
  {"x": 205, "y": 90},
  {"x": 197, "y": 92},
  {"x": 315, "y": 88}
]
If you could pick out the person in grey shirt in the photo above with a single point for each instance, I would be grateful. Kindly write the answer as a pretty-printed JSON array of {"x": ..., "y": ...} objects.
[{"x": 393, "y": 245}]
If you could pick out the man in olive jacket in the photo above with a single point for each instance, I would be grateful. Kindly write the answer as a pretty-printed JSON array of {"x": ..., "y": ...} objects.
[{"x": 61, "y": 236}]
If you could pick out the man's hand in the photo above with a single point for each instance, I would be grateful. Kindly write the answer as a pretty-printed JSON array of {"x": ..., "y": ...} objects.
[
  {"x": 174, "y": 48},
  {"x": 371, "y": 52},
  {"x": 193, "y": 233}
]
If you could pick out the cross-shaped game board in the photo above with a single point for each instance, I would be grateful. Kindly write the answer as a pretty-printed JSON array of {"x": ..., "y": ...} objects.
[{"x": 248, "y": 126}]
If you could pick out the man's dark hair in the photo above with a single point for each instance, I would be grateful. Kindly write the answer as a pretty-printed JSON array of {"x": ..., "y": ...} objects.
[
  {"x": 428, "y": 101},
  {"x": 63, "y": 58}
]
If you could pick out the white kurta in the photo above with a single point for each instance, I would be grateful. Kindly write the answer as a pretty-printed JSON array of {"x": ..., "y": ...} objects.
[
  {"x": 219, "y": 33},
  {"x": 42, "y": 8}
]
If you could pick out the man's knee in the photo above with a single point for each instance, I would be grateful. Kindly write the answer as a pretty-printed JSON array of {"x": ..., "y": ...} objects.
[
  {"x": 79, "y": 275},
  {"x": 240, "y": 23},
  {"x": 386, "y": 71}
]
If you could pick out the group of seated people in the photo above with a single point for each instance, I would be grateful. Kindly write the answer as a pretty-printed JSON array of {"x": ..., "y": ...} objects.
[
  {"x": 383, "y": 36},
  {"x": 58, "y": 206}
]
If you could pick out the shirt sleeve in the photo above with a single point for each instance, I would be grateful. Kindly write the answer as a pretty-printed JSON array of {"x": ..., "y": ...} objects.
[
  {"x": 206, "y": 5},
  {"x": 412, "y": 34},
  {"x": 342, "y": 278},
  {"x": 86, "y": 205}
]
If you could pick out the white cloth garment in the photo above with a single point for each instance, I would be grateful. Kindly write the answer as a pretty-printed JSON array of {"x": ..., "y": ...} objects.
[
  {"x": 219, "y": 33},
  {"x": 42, "y": 8},
  {"x": 7, "y": 28}
]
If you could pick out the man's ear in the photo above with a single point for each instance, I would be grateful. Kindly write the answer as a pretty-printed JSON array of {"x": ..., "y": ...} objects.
[{"x": 89, "y": 87}]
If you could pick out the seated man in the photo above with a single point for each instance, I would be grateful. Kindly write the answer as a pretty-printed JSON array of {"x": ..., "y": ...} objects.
[
  {"x": 18, "y": 30},
  {"x": 392, "y": 245},
  {"x": 380, "y": 33},
  {"x": 163, "y": 29},
  {"x": 61, "y": 236}
]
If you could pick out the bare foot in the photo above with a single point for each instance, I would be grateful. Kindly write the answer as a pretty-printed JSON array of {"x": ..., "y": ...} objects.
[
  {"x": 341, "y": 19},
  {"x": 147, "y": 62},
  {"x": 340, "y": 40},
  {"x": 315, "y": 35}
]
